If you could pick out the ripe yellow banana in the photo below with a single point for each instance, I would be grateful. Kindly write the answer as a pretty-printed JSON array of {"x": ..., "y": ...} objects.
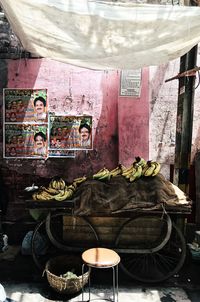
[
  {"x": 80, "y": 179},
  {"x": 67, "y": 194},
  {"x": 157, "y": 169},
  {"x": 72, "y": 187},
  {"x": 44, "y": 196},
  {"x": 101, "y": 173},
  {"x": 61, "y": 183},
  {"x": 34, "y": 196},
  {"x": 116, "y": 171},
  {"x": 51, "y": 190},
  {"x": 150, "y": 169},
  {"x": 128, "y": 171}
]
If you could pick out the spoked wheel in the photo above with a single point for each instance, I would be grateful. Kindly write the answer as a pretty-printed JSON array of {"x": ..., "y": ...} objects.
[
  {"x": 62, "y": 233},
  {"x": 39, "y": 257},
  {"x": 70, "y": 233},
  {"x": 155, "y": 256}
]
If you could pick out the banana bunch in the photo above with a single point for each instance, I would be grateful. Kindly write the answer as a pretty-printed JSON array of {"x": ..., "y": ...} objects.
[
  {"x": 140, "y": 161},
  {"x": 79, "y": 180},
  {"x": 117, "y": 171},
  {"x": 133, "y": 173},
  {"x": 65, "y": 194},
  {"x": 135, "y": 170},
  {"x": 46, "y": 194},
  {"x": 137, "y": 173},
  {"x": 103, "y": 174},
  {"x": 128, "y": 171},
  {"x": 152, "y": 168},
  {"x": 42, "y": 195},
  {"x": 57, "y": 183}
]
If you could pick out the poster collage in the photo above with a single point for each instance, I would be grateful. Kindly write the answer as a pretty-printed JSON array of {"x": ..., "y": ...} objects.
[{"x": 31, "y": 132}]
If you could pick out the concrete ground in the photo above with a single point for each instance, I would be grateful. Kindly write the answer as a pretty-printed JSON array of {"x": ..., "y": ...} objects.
[{"x": 24, "y": 283}]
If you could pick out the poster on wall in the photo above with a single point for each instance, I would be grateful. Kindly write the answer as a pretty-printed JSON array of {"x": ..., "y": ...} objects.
[
  {"x": 25, "y": 140},
  {"x": 25, "y": 105},
  {"x": 61, "y": 153},
  {"x": 130, "y": 84},
  {"x": 70, "y": 132}
]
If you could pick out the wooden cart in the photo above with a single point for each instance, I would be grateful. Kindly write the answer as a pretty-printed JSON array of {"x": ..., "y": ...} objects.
[{"x": 151, "y": 246}]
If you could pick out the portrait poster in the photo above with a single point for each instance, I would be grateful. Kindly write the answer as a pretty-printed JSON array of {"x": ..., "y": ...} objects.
[
  {"x": 25, "y": 140},
  {"x": 70, "y": 132},
  {"x": 25, "y": 105}
]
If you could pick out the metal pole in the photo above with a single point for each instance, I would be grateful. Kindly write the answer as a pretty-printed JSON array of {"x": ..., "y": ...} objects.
[{"x": 184, "y": 121}]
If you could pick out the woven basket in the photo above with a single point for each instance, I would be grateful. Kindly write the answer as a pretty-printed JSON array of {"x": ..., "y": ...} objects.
[{"x": 60, "y": 265}]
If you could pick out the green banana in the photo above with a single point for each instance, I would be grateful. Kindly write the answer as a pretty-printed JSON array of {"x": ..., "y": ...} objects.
[
  {"x": 131, "y": 173},
  {"x": 105, "y": 177},
  {"x": 136, "y": 175},
  {"x": 140, "y": 161}
]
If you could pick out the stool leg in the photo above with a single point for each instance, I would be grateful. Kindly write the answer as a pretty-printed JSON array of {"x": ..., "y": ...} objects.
[
  {"x": 117, "y": 287},
  {"x": 82, "y": 282},
  {"x": 113, "y": 269},
  {"x": 83, "y": 266},
  {"x": 89, "y": 282}
]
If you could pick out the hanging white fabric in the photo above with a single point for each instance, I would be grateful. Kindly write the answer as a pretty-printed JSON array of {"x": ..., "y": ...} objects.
[{"x": 104, "y": 35}]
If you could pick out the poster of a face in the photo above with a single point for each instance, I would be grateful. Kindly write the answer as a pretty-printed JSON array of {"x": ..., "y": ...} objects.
[
  {"x": 25, "y": 140},
  {"x": 25, "y": 105},
  {"x": 70, "y": 132}
]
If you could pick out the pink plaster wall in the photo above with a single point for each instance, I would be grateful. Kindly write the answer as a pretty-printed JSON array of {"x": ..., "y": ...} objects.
[
  {"x": 133, "y": 121},
  {"x": 100, "y": 91},
  {"x": 120, "y": 125}
]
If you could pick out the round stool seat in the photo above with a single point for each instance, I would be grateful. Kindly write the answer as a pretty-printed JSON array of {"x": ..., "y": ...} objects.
[{"x": 100, "y": 257}]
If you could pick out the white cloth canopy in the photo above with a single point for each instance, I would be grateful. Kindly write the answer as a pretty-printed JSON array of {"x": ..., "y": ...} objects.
[{"x": 104, "y": 35}]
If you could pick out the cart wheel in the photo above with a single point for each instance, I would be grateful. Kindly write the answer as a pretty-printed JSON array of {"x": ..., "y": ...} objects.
[
  {"x": 39, "y": 260},
  {"x": 52, "y": 228},
  {"x": 148, "y": 263},
  {"x": 70, "y": 233}
]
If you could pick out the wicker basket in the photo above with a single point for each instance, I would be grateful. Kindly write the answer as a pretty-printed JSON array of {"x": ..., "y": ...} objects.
[{"x": 60, "y": 265}]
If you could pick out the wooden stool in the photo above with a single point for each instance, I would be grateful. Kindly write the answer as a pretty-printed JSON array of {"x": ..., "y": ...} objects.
[{"x": 102, "y": 258}]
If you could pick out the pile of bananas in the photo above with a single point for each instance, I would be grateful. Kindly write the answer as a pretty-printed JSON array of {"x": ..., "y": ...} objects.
[
  {"x": 57, "y": 190},
  {"x": 105, "y": 174},
  {"x": 141, "y": 167}
]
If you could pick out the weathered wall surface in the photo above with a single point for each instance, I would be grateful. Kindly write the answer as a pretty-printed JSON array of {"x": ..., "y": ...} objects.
[
  {"x": 134, "y": 124},
  {"x": 163, "y": 112},
  {"x": 93, "y": 93}
]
